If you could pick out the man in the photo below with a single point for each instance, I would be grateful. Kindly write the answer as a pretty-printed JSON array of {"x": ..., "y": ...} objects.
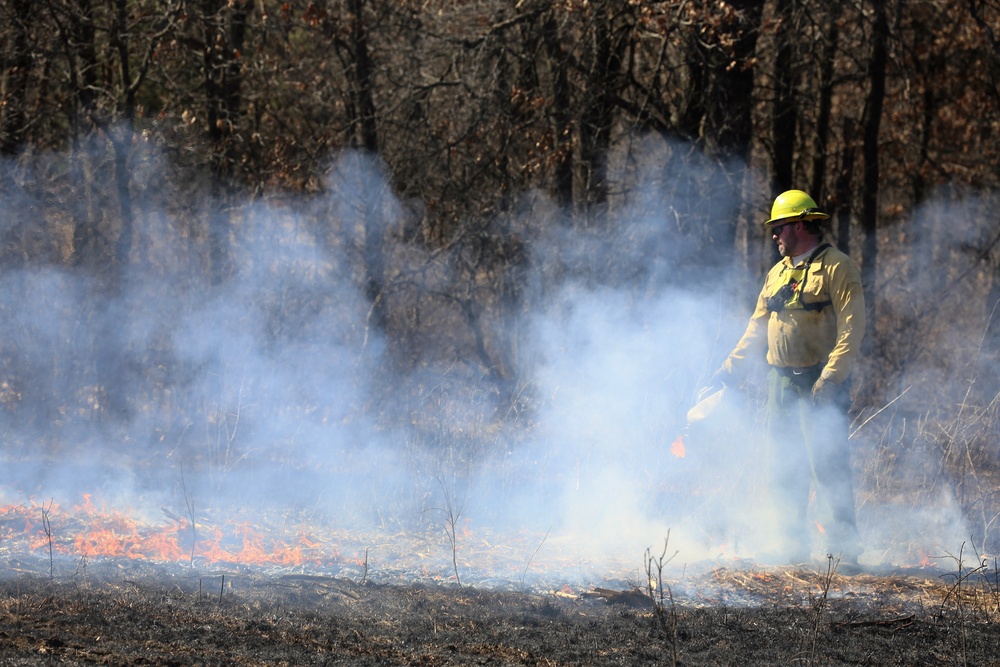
[{"x": 809, "y": 322}]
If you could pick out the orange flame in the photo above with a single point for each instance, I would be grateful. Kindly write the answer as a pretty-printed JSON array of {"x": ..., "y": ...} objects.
[
  {"x": 92, "y": 531},
  {"x": 820, "y": 528},
  {"x": 677, "y": 449}
]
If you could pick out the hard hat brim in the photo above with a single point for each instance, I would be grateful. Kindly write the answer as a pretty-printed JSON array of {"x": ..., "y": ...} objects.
[{"x": 815, "y": 215}]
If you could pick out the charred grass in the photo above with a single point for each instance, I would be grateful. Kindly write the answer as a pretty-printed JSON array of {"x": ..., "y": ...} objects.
[{"x": 127, "y": 613}]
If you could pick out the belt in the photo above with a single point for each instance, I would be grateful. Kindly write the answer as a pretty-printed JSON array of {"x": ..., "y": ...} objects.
[{"x": 796, "y": 371}]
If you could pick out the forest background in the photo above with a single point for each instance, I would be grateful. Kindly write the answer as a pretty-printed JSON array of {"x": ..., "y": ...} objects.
[{"x": 256, "y": 234}]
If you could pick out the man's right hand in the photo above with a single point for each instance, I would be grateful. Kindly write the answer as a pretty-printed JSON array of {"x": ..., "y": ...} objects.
[{"x": 716, "y": 381}]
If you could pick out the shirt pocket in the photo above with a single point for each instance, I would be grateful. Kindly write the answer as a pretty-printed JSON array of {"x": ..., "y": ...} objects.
[{"x": 815, "y": 288}]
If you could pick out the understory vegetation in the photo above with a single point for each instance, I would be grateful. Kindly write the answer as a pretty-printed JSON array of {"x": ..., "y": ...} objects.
[{"x": 434, "y": 237}]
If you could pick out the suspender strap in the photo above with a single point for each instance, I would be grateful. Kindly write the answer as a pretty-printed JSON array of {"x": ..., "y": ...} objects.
[
  {"x": 819, "y": 305},
  {"x": 791, "y": 291},
  {"x": 820, "y": 248}
]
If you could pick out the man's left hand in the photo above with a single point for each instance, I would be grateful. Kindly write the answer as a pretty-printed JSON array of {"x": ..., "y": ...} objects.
[{"x": 824, "y": 392}]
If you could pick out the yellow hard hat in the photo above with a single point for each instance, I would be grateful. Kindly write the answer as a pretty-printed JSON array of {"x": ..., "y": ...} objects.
[{"x": 795, "y": 204}]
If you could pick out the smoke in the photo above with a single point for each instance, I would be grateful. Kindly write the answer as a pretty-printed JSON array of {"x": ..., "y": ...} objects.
[
  {"x": 618, "y": 377},
  {"x": 925, "y": 455},
  {"x": 271, "y": 389}
]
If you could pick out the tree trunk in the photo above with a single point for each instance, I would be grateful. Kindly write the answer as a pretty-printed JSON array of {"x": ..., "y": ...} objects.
[
  {"x": 561, "y": 116},
  {"x": 363, "y": 84},
  {"x": 82, "y": 60},
  {"x": 844, "y": 187},
  {"x": 123, "y": 142},
  {"x": 729, "y": 99},
  {"x": 17, "y": 70},
  {"x": 366, "y": 134},
  {"x": 598, "y": 111},
  {"x": 225, "y": 27},
  {"x": 783, "y": 118},
  {"x": 825, "y": 91},
  {"x": 871, "y": 124}
]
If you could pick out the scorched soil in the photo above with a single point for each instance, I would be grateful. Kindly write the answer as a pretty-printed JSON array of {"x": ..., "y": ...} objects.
[{"x": 124, "y": 612}]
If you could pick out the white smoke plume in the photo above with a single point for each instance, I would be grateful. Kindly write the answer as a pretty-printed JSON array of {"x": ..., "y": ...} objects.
[{"x": 267, "y": 389}]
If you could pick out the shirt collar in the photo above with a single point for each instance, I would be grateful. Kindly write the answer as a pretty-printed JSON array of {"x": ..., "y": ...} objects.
[{"x": 798, "y": 259}]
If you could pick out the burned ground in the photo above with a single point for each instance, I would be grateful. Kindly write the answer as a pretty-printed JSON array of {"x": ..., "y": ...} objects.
[{"x": 127, "y": 612}]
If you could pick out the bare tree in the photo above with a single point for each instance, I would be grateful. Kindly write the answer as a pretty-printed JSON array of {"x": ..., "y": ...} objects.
[
  {"x": 871, "y": 126},
  {"x": 223, "y": 32},
  {"x": 16, "y": 74},
  {"x": 362, "y": 83},
  {"x": 561, "y": 115},
  {"x": 784, "y": 114},
  {"x": 825, "y": 87}
]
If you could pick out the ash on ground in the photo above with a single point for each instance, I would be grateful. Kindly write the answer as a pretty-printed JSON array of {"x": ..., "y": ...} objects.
[{"x": 127, "y": 612}]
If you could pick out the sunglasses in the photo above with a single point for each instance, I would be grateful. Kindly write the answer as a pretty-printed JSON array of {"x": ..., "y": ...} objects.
[{"x": 777, "y": 229}]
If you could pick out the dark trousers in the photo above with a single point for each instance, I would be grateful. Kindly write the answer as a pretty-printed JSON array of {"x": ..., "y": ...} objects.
[{"x": 807, "y": 448}]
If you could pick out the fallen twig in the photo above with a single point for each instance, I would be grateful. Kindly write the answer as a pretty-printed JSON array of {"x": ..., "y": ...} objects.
[
  {"x": 877, "y": 413},
  {"x": 875, "y": 623},
  {"x": 528, "y": 564}
]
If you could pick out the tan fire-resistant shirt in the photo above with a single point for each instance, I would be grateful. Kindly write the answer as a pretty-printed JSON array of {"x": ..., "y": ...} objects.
[{"x": 799, "y": 338}]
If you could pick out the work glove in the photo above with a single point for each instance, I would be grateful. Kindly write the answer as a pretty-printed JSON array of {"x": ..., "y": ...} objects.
[
  {"x": 824, "y": 392},
  {"x": 717, "y": 381}
]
